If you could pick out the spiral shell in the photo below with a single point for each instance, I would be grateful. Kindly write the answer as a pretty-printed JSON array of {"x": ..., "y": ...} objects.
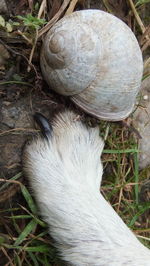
[{"x": 95, "y": 58}]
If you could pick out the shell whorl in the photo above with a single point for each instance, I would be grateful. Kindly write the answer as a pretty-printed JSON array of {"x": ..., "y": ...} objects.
[{"x": 71, "y": 58}]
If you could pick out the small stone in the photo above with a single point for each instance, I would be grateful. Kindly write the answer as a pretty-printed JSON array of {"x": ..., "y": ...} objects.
[
  {"x": 145, "y": 97},
  {"x": 141, "y": 121},
  {"x": 6, "y": 103}
]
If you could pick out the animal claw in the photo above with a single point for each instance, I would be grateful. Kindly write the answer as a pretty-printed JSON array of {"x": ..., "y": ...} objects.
[{"x": 46, "y": 128}]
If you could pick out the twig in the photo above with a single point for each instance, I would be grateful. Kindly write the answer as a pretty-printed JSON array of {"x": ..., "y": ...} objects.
[
  {"x": 147, "y": 32},
  {"x": 23, "y": 36},
  {"x": 139, "y": 21},
  {"x": 54, "y": 19},
  {"x": 106, "y": 132},
  {"x": 71, "y": 7},
  {"x": 142, "y": 230},
  {"x": 18, "y": 129},
  {"x": 143, "y": 237},
  {"x": 17, "y": 53},
  {"x": 147, "y": 62},
  {"x": 146, "y": 43},
  {"x": 30, "y": 3},
  {"x": 11, "y": 181},
  {"x": 4, "y": 251},
  {"x": 42, "y": 8},
  {"x": 32, "y": 51}
]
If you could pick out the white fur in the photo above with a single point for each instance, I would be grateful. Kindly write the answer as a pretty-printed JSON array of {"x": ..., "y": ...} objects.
[{"x": 65, "y": 174}]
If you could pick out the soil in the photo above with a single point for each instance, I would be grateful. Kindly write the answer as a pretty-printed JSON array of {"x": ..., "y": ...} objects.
[{"x": 17, "y": 108}]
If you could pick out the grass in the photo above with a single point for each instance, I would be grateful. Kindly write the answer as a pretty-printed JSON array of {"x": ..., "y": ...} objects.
[
  {"x": 123, "y": 179},
  {"x": 27, "y": 238}
]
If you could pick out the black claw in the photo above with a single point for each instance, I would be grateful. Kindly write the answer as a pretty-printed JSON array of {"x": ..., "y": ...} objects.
[{"x": 46, "y": 128}]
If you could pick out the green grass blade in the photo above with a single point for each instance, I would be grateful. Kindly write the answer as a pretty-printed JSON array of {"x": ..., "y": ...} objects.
[
  {"x": 40, "y": 222},
  {"x": 33, "y": 258},
  {"x": 30, "y": 227},
  {"x": 17, "y": 260},
  {"x": 121, "y": 151},
  {"x": 132, "y": 222},
  {"x": 29, "y": 199},
  {"x": 41, "y": 248},
  {"x": 20, "y": 217},
  {"x": 136, "y": 176}
]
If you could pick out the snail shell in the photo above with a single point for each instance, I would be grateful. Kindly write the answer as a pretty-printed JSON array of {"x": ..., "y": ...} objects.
[{"x": 95, "y": 58}]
